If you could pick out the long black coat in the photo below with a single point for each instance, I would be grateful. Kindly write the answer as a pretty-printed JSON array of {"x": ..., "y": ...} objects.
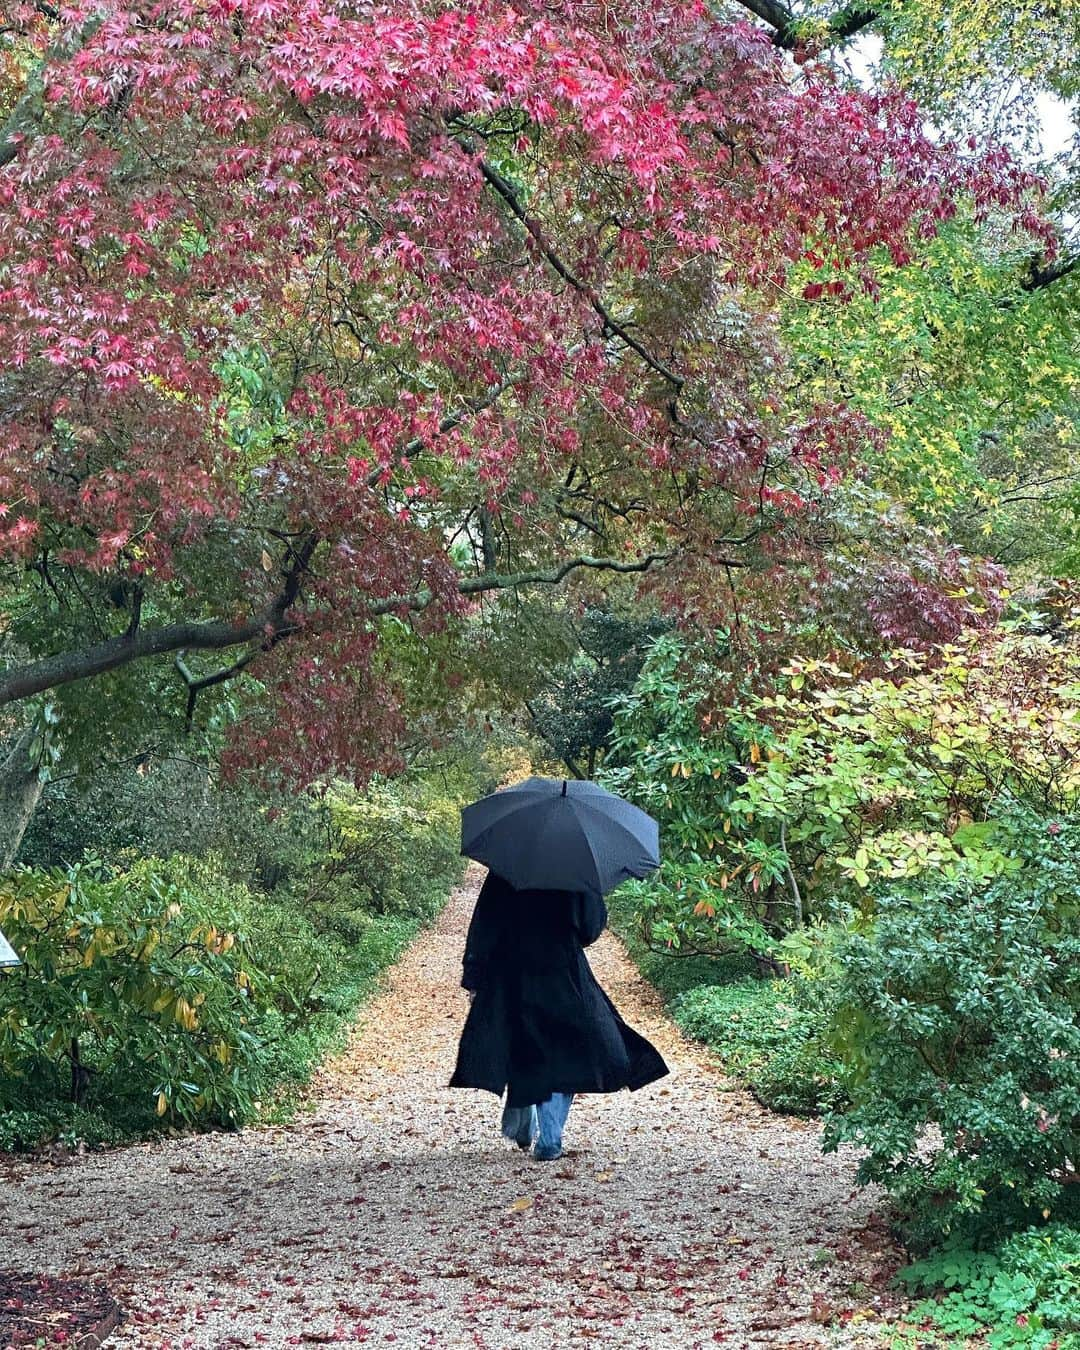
[{"x": 540, "y": 1023}]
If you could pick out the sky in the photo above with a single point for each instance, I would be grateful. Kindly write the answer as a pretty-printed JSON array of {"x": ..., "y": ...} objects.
[{"x": 1056, "y": 120}]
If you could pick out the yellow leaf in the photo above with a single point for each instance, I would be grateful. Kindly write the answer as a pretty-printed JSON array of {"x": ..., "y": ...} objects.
[
  {"x": 675, "y": 770},
  {"x": 162, "y": 1103},
  {"x": 604, "y": 1176},
  {"x": 267, "y": 561},
  {"x": 519, "y": 1206},
  {"x": 755, "y": 752}
]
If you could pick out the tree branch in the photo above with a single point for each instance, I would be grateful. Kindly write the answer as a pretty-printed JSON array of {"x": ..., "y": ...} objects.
[
  {"x": 843, "y": 24},
  {"x": 67, "y": 667},
  {"x": 775, "y": 15},
  {"x": 491, "y": 581},
  {"x": 271, "y": 625},
  {"x": 506, "y": 191},
  {"x": 1040, "y": 276},
  {"x": 195, "y": 684}
]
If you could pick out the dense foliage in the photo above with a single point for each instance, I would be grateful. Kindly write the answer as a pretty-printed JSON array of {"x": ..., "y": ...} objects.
[
  {"x": 789, "y": 807},
  {"x": 976, "y": 380},
  {"x": 300, "y": 331},
  {"x": 1025, "y": 1293},
  {"x": 572, "y": 713},
  {"x": 957, "y": 1017},
  {"x": 904, "y": 842},
  {"x": 192, "y": 991}
]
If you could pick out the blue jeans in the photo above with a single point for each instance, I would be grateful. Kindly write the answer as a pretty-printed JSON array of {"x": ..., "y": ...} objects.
[{"x": 540, "y": 1125}]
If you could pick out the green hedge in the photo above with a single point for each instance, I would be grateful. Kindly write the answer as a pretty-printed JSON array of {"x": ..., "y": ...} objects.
[
  {"x": 769, "y": 1035},
  {"x": 766, "y": 1031},
  {"x": 166, "y": 996}
]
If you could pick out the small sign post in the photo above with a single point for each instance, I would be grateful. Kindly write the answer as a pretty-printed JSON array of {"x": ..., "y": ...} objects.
[{"x": 7, "y": 953}]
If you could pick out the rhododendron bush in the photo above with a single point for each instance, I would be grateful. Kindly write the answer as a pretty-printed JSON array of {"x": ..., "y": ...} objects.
[{"x": 319, "y": 315}]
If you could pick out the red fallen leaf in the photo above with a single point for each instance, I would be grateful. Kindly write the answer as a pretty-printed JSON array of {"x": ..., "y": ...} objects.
[
  {"x": 820, "y": 1310},
  {"x": 744, "y": 1274}
]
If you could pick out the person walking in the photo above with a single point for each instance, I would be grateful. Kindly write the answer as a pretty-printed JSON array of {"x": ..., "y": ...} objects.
[{"x": 540, "y": 1028}]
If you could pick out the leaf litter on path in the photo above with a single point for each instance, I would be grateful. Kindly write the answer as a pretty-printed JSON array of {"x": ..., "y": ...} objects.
[{"x": 681, "y": 1216}]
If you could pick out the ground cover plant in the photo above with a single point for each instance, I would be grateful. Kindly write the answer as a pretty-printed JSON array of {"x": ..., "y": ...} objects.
[{"x": 1026, "y": 1292}]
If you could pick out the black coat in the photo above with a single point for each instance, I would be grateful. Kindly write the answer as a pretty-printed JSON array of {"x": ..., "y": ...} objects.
[{"x": 540, "y": 1023}]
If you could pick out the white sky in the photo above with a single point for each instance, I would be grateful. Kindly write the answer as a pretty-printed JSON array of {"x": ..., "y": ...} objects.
[{"x": 1057, "y": 125}]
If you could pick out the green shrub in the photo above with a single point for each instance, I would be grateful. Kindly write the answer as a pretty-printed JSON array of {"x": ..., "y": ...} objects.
[
  {"x": 769, "y": 1034},
  {"x": 956, "y": 1016},
  {"x": 796, "y": 807},
  {"x": 671, "y": 971},
  {"x": 165, "y": 995},
  {"x": 1024, "y": 1294},
  {"x": 155, "y": 808},
  {"x": 390, "y": 850},
  {"x": 138, "y": 986}
]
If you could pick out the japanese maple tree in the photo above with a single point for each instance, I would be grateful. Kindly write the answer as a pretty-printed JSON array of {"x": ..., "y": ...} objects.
[{"x": 318, "y": 314}]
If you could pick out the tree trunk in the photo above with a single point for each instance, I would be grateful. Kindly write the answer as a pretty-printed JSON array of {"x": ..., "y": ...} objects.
[{"x": 20, "y": 791}]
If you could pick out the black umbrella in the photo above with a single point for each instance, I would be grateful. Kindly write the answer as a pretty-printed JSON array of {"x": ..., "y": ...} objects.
[{"x": 554, "y": 834}]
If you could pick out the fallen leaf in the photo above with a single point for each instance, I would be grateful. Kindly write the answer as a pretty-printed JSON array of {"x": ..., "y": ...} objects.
[
  {"x": 519, "y": 1206},
  {"x": 820, "y": 1310}
]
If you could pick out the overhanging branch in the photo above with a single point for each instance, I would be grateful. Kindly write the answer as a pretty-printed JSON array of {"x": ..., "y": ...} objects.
[
  {"x": 268, "y": 628},
  {"x": 504, "y": 189},
  {"x": 492, "y": 581},
  {"x": 137, "y": 644},
  {"x": 67, "y": 667},
  {"x": 843, "y": 24}
]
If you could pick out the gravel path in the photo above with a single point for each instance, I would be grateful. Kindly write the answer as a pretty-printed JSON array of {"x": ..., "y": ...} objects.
[{"x": 682, "y": 1216}]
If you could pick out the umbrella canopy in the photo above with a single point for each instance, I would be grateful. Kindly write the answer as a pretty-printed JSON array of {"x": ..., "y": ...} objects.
[{"x": 560, "y": 835}]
